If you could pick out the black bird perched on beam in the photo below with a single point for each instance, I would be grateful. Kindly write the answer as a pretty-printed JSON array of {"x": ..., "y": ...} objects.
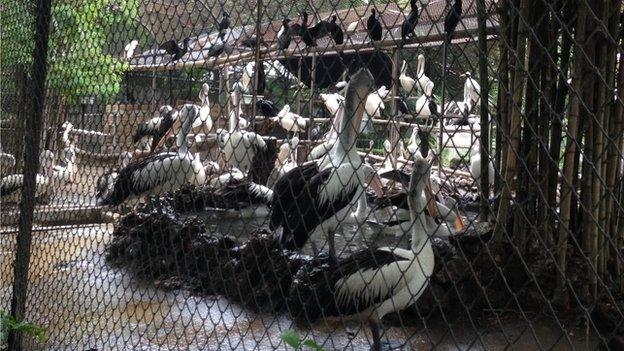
[
  {"x": 173, "y": 49},
  {"x": 335, "y": 31},
  {"x": 452, "y": 19},
  {"x": 374, "y": 26},
  {"x": 225, "y": 22},
  {"x": 284, "y": 35},
  {"x": 407, "y": 28},
  {"x": 219, "y": 46},
  {"x": 308, "y": 34}
]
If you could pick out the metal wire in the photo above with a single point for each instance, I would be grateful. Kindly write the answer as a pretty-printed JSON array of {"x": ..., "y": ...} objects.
[{"x": 181, "y": 204}]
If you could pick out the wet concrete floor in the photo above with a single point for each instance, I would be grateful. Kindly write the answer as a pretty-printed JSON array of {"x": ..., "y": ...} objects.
[{"x": 84, "y": 304}]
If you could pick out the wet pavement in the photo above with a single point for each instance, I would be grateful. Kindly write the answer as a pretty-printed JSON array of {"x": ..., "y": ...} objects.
[{"x": 84, "y": 304}]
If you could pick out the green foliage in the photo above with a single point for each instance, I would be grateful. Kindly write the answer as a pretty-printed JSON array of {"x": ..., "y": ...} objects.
[
  {"x": 293, "y": 340},
  {"x": 8, "y": 323},
  {"x": 78, "y": 64}
]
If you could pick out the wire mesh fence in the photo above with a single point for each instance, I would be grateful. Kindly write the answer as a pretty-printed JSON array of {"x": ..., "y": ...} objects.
[{"x": 438, "y": 174}]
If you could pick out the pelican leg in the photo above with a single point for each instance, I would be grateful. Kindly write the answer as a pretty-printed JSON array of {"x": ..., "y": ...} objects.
[
  {"x": 376, "y": 331},
  {"x": 331, "y": 242}
]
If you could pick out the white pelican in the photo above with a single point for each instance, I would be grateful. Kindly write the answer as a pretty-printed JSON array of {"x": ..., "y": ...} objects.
[
  {"x": 472, "y": 91},
  {"x": 424, "y": 84},
  {"x": 407, "y": 83},
  {"x": 330, "y": 138},
  {"x": 325, "y": 189},
  {"x": 7, "y": 161},
  {"x": 475, "y": 168},
  {"x": 290, "y": 121},
  {"x": 374, "y": 106},
  {"x": 371, "y": 283},
  {"x": 285, "y": 161},
  {"x": 332, "y": 102},
  {"x": 11, "y": 185},
  {"x": 130, "y": 48},
  {"x": 239, "y": 147},
  {"x": 204, "y": 120},
  {"x": 157, "y": 127},
  {"x": 156, "y": 173},
  {"x": 66, "y": 170}
]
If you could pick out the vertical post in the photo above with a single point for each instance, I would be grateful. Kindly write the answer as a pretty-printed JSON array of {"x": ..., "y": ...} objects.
[
  {"x": 443, "y": 114},
  {"x": 312, "y": 97},
  {"x": 484, "y": 122},
  {"x": 394, "y": 132},
  {"x": 258, "y": 65},
  {"x": 299, "y": 87},
  {"x": 31, "y": 163}
]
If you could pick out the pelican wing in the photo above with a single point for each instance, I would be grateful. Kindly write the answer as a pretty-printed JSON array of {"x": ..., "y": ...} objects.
[
  {"x": 305, "y": 197},
  {"x": 364, "y": 279},
  {"x": 138, "y": 177},
  {"x": 11, "y": 184}
]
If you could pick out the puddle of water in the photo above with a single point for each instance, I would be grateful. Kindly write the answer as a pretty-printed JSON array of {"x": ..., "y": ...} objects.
[{"x": 85, "y": 304}]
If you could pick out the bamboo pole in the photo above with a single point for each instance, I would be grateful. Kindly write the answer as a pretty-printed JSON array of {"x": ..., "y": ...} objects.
[
  {"x": 484, "y": 118},
  {"x": 394, "y": 124},
  {"x": 509, "y": 170},
  {"x": 567, "y": 185},
  {"x": 258, "y": 65},
  {"x": 503, "y": 83},
  {"x": 312, "y": 95}
]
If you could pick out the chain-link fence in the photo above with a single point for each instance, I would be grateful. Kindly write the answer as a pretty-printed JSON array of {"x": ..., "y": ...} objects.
[{"x": 424, "y": 174}]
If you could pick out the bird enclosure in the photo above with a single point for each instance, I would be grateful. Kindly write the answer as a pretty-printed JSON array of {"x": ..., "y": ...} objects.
[{"x": 262, "y": 174}]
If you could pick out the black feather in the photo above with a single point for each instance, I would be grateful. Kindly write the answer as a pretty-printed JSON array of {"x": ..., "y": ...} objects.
[
  {"x": 225, "y": 22},
  {"x": 313, "y": 293},
  {"x": 266, "y": 108},
  {"x": 408, "y": 26},
  {"x": 452, "y": 19},
  {"x": 374, "y": 26},
  {"x": 143, "y": 130},
  {"x": 296, "y": 204},
  {"x": 173, "y": 49},
  {"x": 335, "y": 31},
  {"x": 125, "y": 186},
  {"x": 263, "y": 161},
  {"x": 283, "y": 41}
]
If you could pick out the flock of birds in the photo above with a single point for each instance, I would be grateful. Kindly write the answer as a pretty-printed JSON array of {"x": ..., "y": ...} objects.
[
  {"x": 336, "y": 185},
  {"x": 51, "y": 174},
  {"x": 309, "y": 34}
]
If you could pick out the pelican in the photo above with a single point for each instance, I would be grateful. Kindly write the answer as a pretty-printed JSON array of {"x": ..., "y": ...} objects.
[
  {"x": 374, "y": 102},
  {"x": 66, "y": 171},
  {"x": 285, "y": 161},
  {"x": 157, "y": 127},
  {"x": 330, "y": 138},
  {"x": 424, "y": 83},
  {"x": 239, "y": 147},
  {"x": 7, "y": 161},
  {"x": 11, "y": 186},
  {"x": 332, "y": 102},
  {"x": 324, "y": 189},
  {"x": 290, "y": 121},
  {"x": 130, "y": 48},
  {"x": 156, "y": 173},
  {"x": 407, "y": 83},
  {"x": 475, "y": 168},
  {"x": 204, "y": 120},
  {"x": 372, "y": 282},
  {"x": 472, "y": 89}
]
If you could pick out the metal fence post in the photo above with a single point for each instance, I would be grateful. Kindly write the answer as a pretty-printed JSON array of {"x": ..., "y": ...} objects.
[{"x": 31, "y": 163}]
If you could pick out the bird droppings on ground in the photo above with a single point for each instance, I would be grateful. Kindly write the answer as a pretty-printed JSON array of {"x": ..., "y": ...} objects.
[{"x": 172, "y": 253}]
